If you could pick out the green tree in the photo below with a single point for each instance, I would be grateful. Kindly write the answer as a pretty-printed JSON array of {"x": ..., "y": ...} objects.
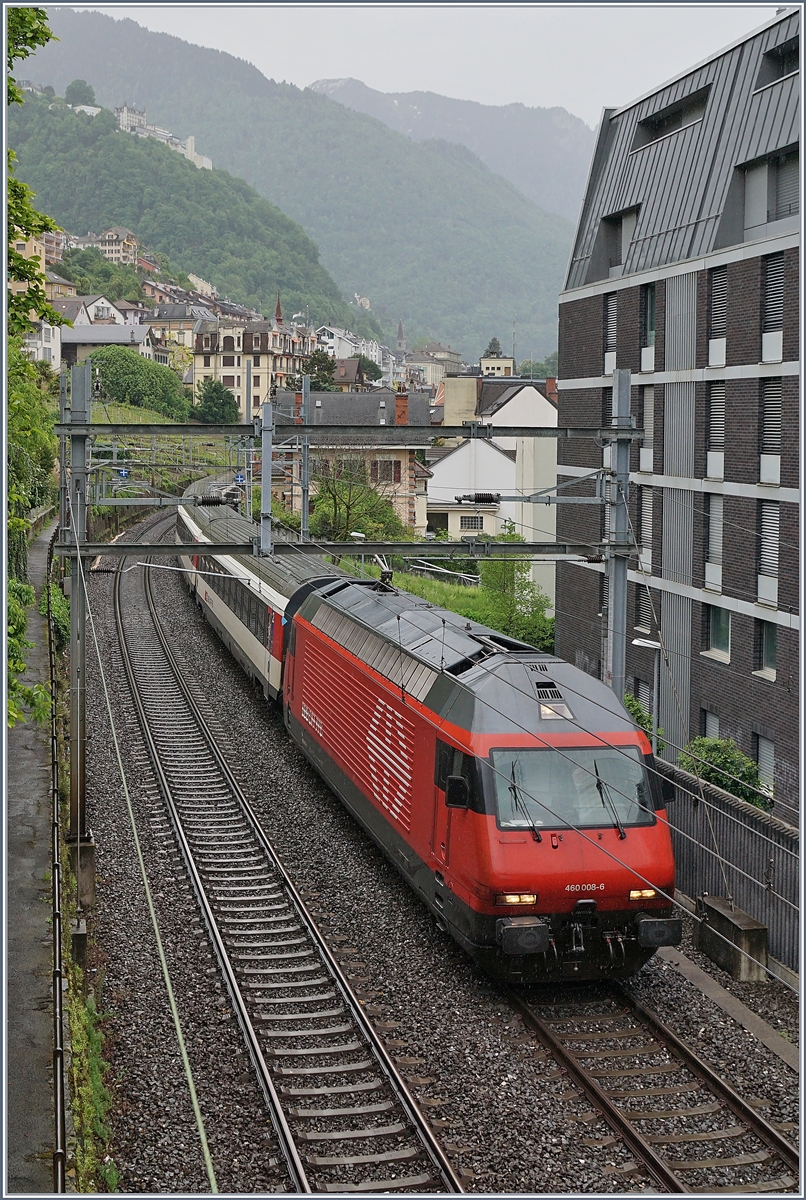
[
  {"x": 493, "y": 350},
  {"x": 721, "y": 762},
  {"x": 27, "y": 30},
  {"x": 79, "y": 92},
  {"x": 371, "y": 369},
  {"x": 30, "y": 454},
  {"x": 93, "y": 274},
  {"x": 533, "y": 369},
  {"x": 347, "y": 503},
  {"x": 321, "y": 368},
  {"x": 641, "y": 717},
  {"x": 128, "y": 378},
  {"x": 215, "y": 404},
  {"x": 22, "y": 696},
  {"x": 512, "y": 602}
]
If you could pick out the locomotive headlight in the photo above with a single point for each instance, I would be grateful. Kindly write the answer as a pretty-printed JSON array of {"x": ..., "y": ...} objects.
[
  {"x": 517, "y": 898},
  {"x": 642, "y": 894}
]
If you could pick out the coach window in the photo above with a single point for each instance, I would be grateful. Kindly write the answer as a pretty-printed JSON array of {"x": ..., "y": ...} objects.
[{"x": 450, "y": 761}]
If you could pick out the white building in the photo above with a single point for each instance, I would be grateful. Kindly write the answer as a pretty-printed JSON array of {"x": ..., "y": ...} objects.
[
  {"x": 338, "y": 343},
  {"x": 43, "y": 343},
  {"x": 475, "y": 466}
]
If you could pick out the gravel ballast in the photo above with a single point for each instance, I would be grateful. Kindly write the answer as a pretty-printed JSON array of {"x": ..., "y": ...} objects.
[{"x": 506, "y": 1115}]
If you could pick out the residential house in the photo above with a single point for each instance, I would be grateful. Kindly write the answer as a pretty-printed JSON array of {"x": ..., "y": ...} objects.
[
  {"x": 133, "y": 314},
  {"x": 338, "y": 343},
  {"x": 451, "y": 359},
  {"x": 74, "y": 309},
  {"x": 475, "y": 466},
  {"x": 42, "y": 343},
  {"x": 101, "y": 310},
  {"x": 119, "y": 245},
  {"x": 57, "y": 288},
  {"x": 695, "y": 290},
  {"x": 427, "y": 369},
  {"x": 391, "y": 467},
  {"x": 349, "y": 375},
  {"x": 133, "y": 120},
  {"x": 500, "y": 365},
  {"x": 78, "y": 343},
  {"x": 33, "y": 248},
  {"x": 251, "y": 358},
  {"x": 55, "y": 242}
]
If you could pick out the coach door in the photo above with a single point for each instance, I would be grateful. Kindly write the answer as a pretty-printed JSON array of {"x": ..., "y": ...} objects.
[{"x": 441, "y": 830}]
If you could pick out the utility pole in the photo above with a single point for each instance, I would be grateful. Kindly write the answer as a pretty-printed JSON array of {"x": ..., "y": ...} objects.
[
  {"x": 306, "y": 463},
  {"x": 80, "y": 841},
  {"x": 619, "y": 549},
  {"x": 266, "y": 418}
]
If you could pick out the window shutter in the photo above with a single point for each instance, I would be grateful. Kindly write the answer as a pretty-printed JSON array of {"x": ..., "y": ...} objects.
[
  {"x": 643, "y": 608},
  {"x": 643, "y": 694},
  {"x": 766, "y": 762},
  {"x": 773, "y": 293},
  {"x": 787, "y": 200},
  {"x": 716, "y": 416},
  {"x": 396, "y": 475},
  {"x": 715, "y": 527},
  {"x": 771, "y": 416},
  {"x": 607, "y": 406},
  {"x": 374, "y": 471},
  {"x": 719, "y": 302},
  {"x": 646, "y": 516},
  {"x": 769, "y": 521},
  {"x": 611, "y": 302},
  {"x": 649, "y": 416},
  {"x": 711, "y": 725}
]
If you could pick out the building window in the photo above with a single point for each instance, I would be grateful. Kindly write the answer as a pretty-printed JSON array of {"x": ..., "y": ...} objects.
[
  {"x": 718, "y": 631},
  {"x": 255, "y": 381},
  {"x": 645, "y": 516},
  {"x": 229, "y": 343},
  {"x": 787, "y": 187},
  {"x": 256, "y": 401},
  {"x": 386, "y": 470},
  {"x": 228, "y": 360},
  {"x": 648, "y": 338},
  {"x": 611, "y": 324},
  {"x": 206, "y": 343},
  {"x": 207, "y": 360},
  {"x": 766, "y": 647},
  {"x": 643, "y": 608},
  {"x": 229, "y": 381},
  {"x": 643, "y": 694},
  {"x": 468, "y": 522},
  {"x": 715, "y": 526},
  {"x": 769, "y": 536},
  {"x": 716, "y": 416},
  {"x": 256, "y": 360},
  {"x": 765, "y": 757},
  {"x": 710, "y": 724},
  {"x": 719, "y": 302},
  {"x": 771, "y": 415},
  {"x": 773, "y": 312}
]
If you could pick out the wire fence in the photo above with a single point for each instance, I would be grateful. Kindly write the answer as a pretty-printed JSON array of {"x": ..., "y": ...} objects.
[{"x": 760, "y": 857}]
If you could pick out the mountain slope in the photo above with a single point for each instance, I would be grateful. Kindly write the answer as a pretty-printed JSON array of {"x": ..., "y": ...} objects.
[
  {"x": 89, "y": 175},
  {"x": 427, "y": 232},
  {"x": 545, "y": 152}
]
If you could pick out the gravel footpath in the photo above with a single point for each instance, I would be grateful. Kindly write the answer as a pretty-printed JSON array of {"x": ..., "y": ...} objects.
[{"x": 507, "y": 1116}]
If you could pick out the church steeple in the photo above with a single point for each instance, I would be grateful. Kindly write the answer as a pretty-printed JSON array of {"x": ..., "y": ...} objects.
[
  {"x": 401, "y": 338},
  {"x": 278, "y": 314}
]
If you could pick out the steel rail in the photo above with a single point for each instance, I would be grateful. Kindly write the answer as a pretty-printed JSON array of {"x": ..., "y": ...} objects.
[
  {"x": 658, "y": 1169},
  {"x": 295, "y": 1167},
  {"x": 420, "y": 1126},
  {"x": 763, "y": 1129},
  {"x": 655, "y": 1163}
]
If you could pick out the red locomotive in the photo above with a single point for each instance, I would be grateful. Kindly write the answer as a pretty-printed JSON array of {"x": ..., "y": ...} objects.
[{"x": 510, "y": 789}]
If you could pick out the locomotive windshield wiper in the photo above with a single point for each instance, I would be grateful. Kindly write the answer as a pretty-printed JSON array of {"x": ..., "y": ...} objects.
[
  {"x": 519, "y": 802},
  {"x": 607, "y": 800}
]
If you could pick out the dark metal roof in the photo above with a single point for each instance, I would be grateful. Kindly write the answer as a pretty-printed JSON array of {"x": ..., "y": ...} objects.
[{"x": 679, "y": 182}]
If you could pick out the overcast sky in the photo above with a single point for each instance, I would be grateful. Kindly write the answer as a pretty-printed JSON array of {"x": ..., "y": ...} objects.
[{"x": 581, "y": 57}]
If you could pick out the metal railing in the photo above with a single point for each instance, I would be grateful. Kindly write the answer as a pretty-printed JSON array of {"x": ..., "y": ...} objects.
[
  {"x": 759, "y": 854},
  {"x": 59, "y": 1109}
]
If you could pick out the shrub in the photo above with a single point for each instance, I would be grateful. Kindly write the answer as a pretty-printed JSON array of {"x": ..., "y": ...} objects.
[
  {"x": 721, "y": 762},
  {"x": 128, "y": 378},
  {"x": 641, "y": 717}
]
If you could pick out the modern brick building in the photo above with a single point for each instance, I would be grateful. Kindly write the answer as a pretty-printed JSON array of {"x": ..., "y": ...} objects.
[{"x": 685, "y": 270}]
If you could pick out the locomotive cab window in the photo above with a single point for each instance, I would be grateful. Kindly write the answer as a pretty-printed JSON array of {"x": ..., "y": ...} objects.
[
  {"x": 450, "y": 762},
  {"x": 591, "y": 788}
]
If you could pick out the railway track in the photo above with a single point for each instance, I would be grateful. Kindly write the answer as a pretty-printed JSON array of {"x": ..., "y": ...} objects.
[
  {"x": 687, "y": 1128},
  {"x": 344, "y": 1118}
]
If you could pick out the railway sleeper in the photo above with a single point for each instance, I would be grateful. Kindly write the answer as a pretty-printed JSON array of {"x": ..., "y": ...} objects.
[
  {"x": 706, "y": 1164},
  {"x": 712, "y": 1135},
  {"x": 338, "y": 1135},
  {"x": 354, "y": 1160},
  {"x": 361, "y": 1110},
  {"x": 421, "y": 1182},
  {"x": 785, "y": 1183}
]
